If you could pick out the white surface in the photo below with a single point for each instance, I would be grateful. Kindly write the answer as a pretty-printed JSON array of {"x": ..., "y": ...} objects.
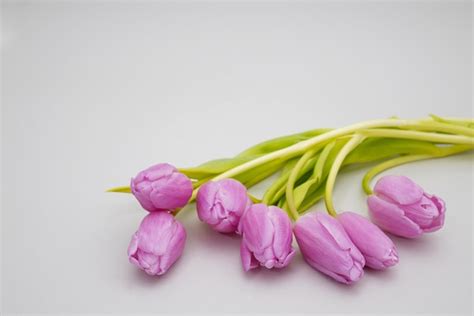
[{"x": 92, "y": 93}]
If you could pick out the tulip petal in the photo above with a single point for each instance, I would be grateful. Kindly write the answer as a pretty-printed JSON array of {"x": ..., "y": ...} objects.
[
  {"x": 391, "y": 218},
  {"x": 248, "y": 260},
  {"x": 161, "y": 187},
  {"x": 205, "y": 201},
  {"x": 438, "y": 222},
  {"x": 377, "y": 249},
  {"x": 399, "y": 189},
  {"x": 283, "y": 233},
  {"x": 141, "y": 190},
  {"x": 336, "y": 232},
  {"x": 423, "y": 212},
  {"x": 156, "y": 226},
  {"x": 257, "y": 228},
  {"x": 286, "y": 261},
  {"x": 171, "y": 192},
  {"x": 221, "y": 204},
  {"x": 175, "y": 247},
  {"x": 233, "y": 196},
  {"x": 355, "y": 273},
  {"x": 157, "y": 244},
  {"x": 146, "y": 259},
  {"x": 158, "y": 171},
  {"x": 326, "y": 247},
  {"x": 133, "y": 247}
]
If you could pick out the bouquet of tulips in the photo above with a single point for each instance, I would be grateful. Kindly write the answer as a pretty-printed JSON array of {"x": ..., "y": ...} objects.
[{"x": 338, "y": 244}]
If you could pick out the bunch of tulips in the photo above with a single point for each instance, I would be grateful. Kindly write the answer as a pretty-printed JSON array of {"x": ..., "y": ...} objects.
[{"x": 338, "y": 244}]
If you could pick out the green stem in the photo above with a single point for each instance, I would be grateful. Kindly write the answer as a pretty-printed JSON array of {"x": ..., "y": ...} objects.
[
  {"x": 431, "y": 137},
  {"x": 254, "y": 176},
  {"x": 454, "y": 120},
  {"x": 319, "y": 166},
  {"x": 277, "y": 189},
  {"x": 123, "y": 189},
  {"x": 299, "y": 148},
  {"x": 198, "y": 183},
  {"x": 292, "y": 179},
  {"x": 444, "y": 127},
  {"x": 405, "y": 159},
  {"x": 269, "y": 194},
  {"x": 254, "y": 198},
  {"x": 348, "y": 147},
  {"x": 369, "y": 128}
]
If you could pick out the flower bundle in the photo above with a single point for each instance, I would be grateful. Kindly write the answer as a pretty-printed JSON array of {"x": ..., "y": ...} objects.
[{"x": 338, "y": 244}]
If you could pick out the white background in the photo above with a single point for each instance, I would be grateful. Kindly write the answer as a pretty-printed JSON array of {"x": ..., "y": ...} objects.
[{"x": 95, "y": 92}]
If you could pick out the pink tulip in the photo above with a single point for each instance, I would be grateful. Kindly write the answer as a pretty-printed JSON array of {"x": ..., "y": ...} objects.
[
  {"x": 157, "y": 244},
  {"x": 326, "y": 247},
  {"x": 266, "y": 238},
  {"x": 378, "y": 250},
  {"x": 401, "y": 207},
  {"x": 221, "y": 204},
  {"x": 161, "y": 187}
]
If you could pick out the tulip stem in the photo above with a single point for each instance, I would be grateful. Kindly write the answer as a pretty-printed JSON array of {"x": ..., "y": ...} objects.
[
  {"x": 435, "y": 129},
  {"x": 348, "y": 147},
  {"x": 292, "y": 179},
  {"x": 123, "y": 189},
  {"x": 431, "y": 137},
  {"x": 301, "y": 147},
  {"x": 374, "y": 128},
  {"x": 447, "y": 151}
]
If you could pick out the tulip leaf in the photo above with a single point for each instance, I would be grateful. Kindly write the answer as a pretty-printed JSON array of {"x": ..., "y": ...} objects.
[
  {"x": 314, "y": 180},
  {"x": 374, "y": 149},
  {"x": 312, "y": 197},
  {"x": 319, "y": 166},
  {"x": 215, "y": 167},
  {"x": 282, "y": 180},
  {"x": 254, "y": 176},
  {"x": 281, "y": 142}
]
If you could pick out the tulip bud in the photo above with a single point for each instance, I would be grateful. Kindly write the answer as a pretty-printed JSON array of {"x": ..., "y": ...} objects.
[
  {"x": 378, "y": 250},
  {"x": 266, "y": 238},
  {"x": 157, "y": 244},
  {"x": 326, "y": 247},
  {"x": 161, "y": 187},
  {"x": 401, "y": 207},
  {"x": 221, "y": 204}
]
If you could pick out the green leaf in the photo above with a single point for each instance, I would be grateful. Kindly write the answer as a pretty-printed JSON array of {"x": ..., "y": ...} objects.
[
  {"x": 254, "y": 176},
  {"x": 302, "y": 176},
  {"x": 319, "y": 166},
  {"x": 314, "y": 180},
  {"x": 214, "y": 167},
  {"x": 280, "y": 181},
  {"x": 281, "y": 142},
  {"x": 459, "y": 122},
  {"x": 374, "y": 149},
  {"x": 218, "y": 166},
  {"x": 312, "y": 197}
]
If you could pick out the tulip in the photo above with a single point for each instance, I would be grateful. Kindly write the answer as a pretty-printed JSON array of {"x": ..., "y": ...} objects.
[
  {"x": 157, "y": 244},
  {"x": 401, "y": 207},
  {"x": 266, "y": 238},
  {"x": 161, "y": 187},
  {"x": 378, "y": 250},
  {"x": 326, "y": 247},
  {"x": 221, "y": 204}
]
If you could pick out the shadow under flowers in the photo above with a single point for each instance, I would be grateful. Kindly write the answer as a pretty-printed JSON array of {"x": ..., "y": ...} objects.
[{"x": 424, "y": 244}]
